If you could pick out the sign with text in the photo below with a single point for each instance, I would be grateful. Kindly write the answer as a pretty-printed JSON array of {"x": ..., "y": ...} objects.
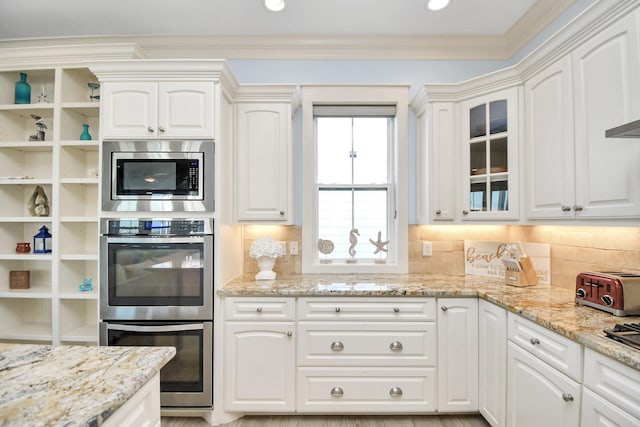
[{"x": 484, "y": 258}]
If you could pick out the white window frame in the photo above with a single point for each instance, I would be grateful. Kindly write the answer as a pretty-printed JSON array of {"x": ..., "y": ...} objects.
[{"x": 396, "y": 95}]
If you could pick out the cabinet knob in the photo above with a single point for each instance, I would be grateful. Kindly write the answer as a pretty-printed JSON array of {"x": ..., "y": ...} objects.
[
  {"x": 161, "y": 129},
  {"x": 337, "y": 309},
  {"x": 337, "y": 392},
  {"x": 577, "y": 208},
  {"x": 337, "y": 346},
  {"x": 396, "y": 309},
  {"x": 150, "y": 129},
  {"x": 259, "y": 309},
  {"x": 444, "y": 308},
  {"x": 281, "y": 213},
  {"x": 395, "y": 392},
  {"x": 289, "y": 334},
  {"x": 567, "y": 397},
  {"x": 565, "y": 208},
  {"x": 438, "y": 212},
  {"x": 535, "y": 341},
  {"x": 465, "y": 212},
  {"x": 395, "y": 346}
]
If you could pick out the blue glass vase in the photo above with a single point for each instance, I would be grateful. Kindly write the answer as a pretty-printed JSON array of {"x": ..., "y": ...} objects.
[
  {"x": 23, "y": 90},
  {"x": 85, "y": 135}
]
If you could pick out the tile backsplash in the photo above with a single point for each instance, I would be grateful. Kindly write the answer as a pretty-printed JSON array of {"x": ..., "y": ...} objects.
[{"x": 573, "y": 248}]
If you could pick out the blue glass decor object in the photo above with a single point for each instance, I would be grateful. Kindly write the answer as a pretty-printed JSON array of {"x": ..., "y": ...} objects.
[
  {"x": 23, "y": 90},
  {"x": 42, "y": 241},
  {"x": 87, "y": 285},
  {"x": 85, "y": 135}
]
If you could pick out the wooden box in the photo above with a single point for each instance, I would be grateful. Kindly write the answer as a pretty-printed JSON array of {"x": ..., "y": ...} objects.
[{"x": 19, "y": 280}]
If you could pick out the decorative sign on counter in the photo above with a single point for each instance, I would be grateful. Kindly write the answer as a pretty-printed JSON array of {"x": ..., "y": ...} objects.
[{"x": 484, "y": 258}]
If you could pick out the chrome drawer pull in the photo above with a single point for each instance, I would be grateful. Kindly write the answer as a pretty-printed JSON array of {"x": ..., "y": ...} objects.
[
  {"x": 337, "y": 309},
  {"x": 289, "y": 334},
  {"x": 161, "y": 129},
  {"x": 259, "y": 309},
  {"x": 567, "y": 397},
  {"x": 395, "y": 392},
  {"x": 337, "y": 392},
  {"x": 396, "y": 309},
  {"x": 535, "y": 341},
  {"x": 395, "y": 346},
  {"x": 444, "y": 308},
  {"x": 150, "y": 129},
  {"x": 337, "y": 346}
]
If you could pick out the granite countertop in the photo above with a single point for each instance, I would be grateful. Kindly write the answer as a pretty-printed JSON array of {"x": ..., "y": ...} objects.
[
  {"x": 72, "y": 385},
  {"x": 549, "y": 306}
]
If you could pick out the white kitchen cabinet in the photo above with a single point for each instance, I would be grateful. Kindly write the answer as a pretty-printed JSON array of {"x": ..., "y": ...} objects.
[
  {"x": 157, "y": 110},
  {"x": 569, "y": 105},
  {"x": 458, "y": 354},
  {"x": 490, "y": 156},
  {"x": 263, "y": 155},
  {"x": 599, "y": 412},
  {"x": 492, "y": 363},
  {"x": 366, "y": 355},
  {"x": 537, "y": 394},
  {"x": 436, "y": 166},
  {"x": 52, "y": 310},
  {"x": 259, "y": 355}
]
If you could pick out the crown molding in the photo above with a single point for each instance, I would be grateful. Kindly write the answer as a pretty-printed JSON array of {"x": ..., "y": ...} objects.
[{"x": 38, "y": 55}]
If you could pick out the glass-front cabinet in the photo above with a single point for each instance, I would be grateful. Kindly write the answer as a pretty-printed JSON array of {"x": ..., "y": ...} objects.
[{"x": 489, "y": 150}]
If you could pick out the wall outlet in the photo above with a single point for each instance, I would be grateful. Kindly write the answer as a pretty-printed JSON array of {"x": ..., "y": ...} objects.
[
  {"x": 293, "y": 248},
  {"x": 427, "y": 248}
]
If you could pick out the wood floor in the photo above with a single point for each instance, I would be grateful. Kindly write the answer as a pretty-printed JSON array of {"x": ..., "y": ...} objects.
[{"x": 338, "y": 421}]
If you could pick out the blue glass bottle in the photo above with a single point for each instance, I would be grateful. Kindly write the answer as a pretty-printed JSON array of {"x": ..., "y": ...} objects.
[
  {"x": 85, "y": 135},
  {"x": 23, "y": 90}
]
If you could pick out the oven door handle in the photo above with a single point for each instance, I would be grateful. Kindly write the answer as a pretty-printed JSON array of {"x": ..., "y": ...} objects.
[
  {"x": 156, "y": 240},
  {"x": 162, "y": 328}
]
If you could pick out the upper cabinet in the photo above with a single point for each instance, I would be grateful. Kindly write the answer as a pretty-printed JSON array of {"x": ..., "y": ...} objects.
[
  {"x": 490, "y": 156},
  {"x": 573, "y": 171},
  {"x": 263, "y": 154},
  {"x": 152, "y": 110}
]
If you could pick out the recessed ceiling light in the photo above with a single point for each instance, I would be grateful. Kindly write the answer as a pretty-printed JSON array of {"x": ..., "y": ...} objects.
[
  {"x": 274, "y": 5},
  {"x": 437, "y": 4}
]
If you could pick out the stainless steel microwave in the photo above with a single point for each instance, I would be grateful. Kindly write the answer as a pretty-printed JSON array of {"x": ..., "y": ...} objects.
[{"x": 158, "y": 176}]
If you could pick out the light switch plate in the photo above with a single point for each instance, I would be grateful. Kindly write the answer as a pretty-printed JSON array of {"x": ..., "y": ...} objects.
[
  {"x": 427, "y": 248},
  {"x": 293, "y": 248}
]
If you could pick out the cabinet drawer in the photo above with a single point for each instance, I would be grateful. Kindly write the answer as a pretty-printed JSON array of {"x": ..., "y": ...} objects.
[
  {"x": 367, "y": 390},
  {"x": 558, "y": 351},
  {"x": 416, "y": 309},
  {"x": 368, "y": 344},
  {"x": 613, "y": 381},
  {"x": 259, "y": 309}
]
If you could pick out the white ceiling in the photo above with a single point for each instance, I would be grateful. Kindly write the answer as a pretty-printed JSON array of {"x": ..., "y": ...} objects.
[{"x": 509, "y": 23}]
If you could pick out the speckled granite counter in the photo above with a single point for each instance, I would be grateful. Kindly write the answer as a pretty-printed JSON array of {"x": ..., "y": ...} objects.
[
  {"x": 72, "y": 385},
  {"x": 549, "y": 306}
]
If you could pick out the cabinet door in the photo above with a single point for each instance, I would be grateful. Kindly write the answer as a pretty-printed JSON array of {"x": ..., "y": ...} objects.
[
  {"x": 539, "y": 395},
  {"x": 441, "y": 159},
  {"x": 129, "y": 110},
  {"x": 263, "y": 162},
  {"x": 607, "y": 94},
  {"x": 549, "y": 143},
  {"x": 458, "y": 354},
  {"x": 186, "y": 110},
  {"x": 598, "y": 412},
  {"x": 259, "y": 359},
  {"x": 490, "y": 156},
  {"x": 492, "y": 363}
]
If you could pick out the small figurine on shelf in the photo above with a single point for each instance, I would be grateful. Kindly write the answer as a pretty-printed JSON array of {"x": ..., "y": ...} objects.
[
  {"x": 42, "y": 98},
  {"x": 85, "y": 135},
  {"x": 41, "y": 125},
  {"x": 354, "y": 241},
  {"x": 93, "y": 86},
  {"x": 86, "y": 286},
  {"x": 38, "y": 204},
  {"x": 380, "y": 247}
]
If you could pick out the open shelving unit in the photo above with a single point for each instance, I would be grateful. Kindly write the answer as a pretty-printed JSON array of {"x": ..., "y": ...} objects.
[{"x": 52, "y": 310}]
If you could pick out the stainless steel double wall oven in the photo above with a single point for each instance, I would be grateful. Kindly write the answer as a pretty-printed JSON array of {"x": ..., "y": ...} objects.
[{"x": 156, "y": 272}]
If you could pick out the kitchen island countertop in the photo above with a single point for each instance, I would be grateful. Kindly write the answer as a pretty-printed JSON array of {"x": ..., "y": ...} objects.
[
  {"x": 550, "y": 306},
  {"x": 72, "y": 385}
]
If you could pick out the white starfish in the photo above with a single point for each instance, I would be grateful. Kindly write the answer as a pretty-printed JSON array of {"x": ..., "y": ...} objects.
[{"x": 380, "y": 245}]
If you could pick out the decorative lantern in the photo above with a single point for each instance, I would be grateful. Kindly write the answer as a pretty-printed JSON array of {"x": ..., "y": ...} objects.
[{"x": 42, "y": 241}]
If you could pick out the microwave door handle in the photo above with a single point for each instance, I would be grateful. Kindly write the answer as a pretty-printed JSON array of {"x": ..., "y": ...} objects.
[{"x": 163, "y": 328}]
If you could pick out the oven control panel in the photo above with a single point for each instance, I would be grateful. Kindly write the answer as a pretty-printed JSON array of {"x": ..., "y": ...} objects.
[{"x": 156, "y": 227}]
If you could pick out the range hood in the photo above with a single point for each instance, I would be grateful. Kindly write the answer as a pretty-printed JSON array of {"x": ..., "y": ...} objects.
[{"x": 628, "y": 130}]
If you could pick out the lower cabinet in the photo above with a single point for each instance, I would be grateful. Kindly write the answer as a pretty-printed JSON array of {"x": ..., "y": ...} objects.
[
  {"x": 537, "y": 394},
  {"x": 599, "y": 412},
  {"x": 458, "y": 354},
  {"x": 259, "y": 357},
  {"x": 492, "y": 363}
]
